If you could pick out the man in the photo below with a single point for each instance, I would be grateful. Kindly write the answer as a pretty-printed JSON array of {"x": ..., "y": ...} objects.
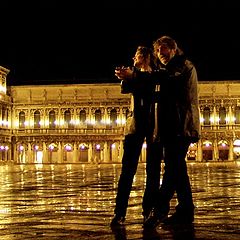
[
  {"x": 138, "y": 127},
  {"x": 178, "y": 126}
]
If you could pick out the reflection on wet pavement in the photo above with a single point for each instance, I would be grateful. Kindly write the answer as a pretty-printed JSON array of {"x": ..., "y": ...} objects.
[{"x": 76, "y": 201}]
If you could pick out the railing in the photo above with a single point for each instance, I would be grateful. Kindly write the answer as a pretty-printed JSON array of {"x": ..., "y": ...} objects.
[
  {"x": 221, "y": 127},
  {"x": 67, "y": 131}
]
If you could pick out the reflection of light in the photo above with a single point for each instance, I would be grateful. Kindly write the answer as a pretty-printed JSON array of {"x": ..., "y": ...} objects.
[
  {"x": 36, "y": 147},
  {"x": 224, "y": 144},
  {"x": 144, "y": 145},
  {"x": 113, "y": 145},
  {"x": 207, "y": 144},
  {"x": 21, "y": 148}
]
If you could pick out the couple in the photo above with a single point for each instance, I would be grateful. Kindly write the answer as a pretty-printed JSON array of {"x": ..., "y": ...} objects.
[{"x": 169, "y": 120}]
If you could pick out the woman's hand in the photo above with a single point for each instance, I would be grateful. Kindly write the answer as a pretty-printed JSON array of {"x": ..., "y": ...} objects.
[{"x": 124, "y": 73}]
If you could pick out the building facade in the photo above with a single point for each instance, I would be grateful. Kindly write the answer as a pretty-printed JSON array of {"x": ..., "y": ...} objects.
[{"x": 84, "y": 123}]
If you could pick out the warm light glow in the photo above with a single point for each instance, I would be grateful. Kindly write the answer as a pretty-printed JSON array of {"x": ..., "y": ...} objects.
[
  {"x": 113, "y": 146},
  {"x": 68, "y": 148},
  {"x": 39, "y": 157},
  {"x": 236, "y": 142},
  {"x": 98, "y": 146}
]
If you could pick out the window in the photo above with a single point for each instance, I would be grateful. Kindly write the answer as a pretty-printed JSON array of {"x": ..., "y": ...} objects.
[
  {"x": 222, "y": 116},
  {"x": 82, "y": 116},
  {"x": 22, "y": 119},
  {"x": 98, "y": 116},
  {"x": 52, "y": 119},
  {"x": 67, "y": 118},
  {"x": 113, "y": 117},
  {"x": 37, "y": 119},
  {"x": 206, "y": 116}
]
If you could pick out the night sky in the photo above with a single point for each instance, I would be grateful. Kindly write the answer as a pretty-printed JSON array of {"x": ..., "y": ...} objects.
[{"x": 58, "y": 43}]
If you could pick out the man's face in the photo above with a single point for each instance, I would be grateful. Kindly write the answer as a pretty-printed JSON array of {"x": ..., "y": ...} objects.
[{"x": 165, "y": 54}]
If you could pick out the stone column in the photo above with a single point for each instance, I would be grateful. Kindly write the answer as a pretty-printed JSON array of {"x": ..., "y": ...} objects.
[
  {"x": 90, "y": 153},
  {"x": 199, "y": 151},
  {"x": 230, "y": 154}
]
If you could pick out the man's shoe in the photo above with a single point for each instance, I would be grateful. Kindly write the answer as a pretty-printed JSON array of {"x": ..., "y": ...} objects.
[
  {"x": 179, "y": 218},
  {"x": 117, "y": 221},
  {"x": 153, "y": 220}
]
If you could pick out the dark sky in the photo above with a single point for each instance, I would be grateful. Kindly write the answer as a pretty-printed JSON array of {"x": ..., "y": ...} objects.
[{"x": 54, "y": 42}]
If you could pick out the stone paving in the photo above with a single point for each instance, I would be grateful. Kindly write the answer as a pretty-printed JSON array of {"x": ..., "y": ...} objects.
[{"x": 76, "y": 201}]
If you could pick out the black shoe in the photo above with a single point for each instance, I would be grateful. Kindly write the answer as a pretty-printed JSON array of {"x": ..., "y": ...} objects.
[
  {"x": 154, "y": 219},
  {"x": 117, "y": 221},
  {"x": 179, "y": 218}
]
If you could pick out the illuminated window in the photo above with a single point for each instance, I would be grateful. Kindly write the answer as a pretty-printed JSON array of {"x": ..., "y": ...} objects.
[
  {"x": 67, "y": 118},
  {"x": 206, "y": 116},
  {"x": 113, "y": 117},
  {"x": 82, "y": 116},
  {"x": 222, "y": 116},
  {"x": 37, "y": 119},
  {"x": 52, "y": 119},
  {"x": 21, "y": 119},
  {"x": 98, "y": 116}
]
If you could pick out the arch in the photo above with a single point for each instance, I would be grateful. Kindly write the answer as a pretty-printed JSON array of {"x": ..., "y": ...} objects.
[
  {"x": 223, "y": 150},
  {"x": 207, "y": 151}
]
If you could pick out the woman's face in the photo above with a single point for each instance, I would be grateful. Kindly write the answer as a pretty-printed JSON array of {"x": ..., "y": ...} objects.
[{"x": 139, "y": 60}]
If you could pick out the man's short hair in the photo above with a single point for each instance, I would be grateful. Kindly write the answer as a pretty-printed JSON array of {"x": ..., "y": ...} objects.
[{"x": 165, "y": 40}]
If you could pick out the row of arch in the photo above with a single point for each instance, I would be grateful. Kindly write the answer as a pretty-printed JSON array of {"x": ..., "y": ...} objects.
[
  {"x": 222, "y": 115},
  {"x": 68, "y": 120}
]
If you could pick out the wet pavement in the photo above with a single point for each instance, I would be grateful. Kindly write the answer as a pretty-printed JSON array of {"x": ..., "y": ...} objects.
[{"x": 76, "y": 201}]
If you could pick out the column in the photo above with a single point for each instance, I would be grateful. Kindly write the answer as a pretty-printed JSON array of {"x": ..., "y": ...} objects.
[
  {"x": 215, "y": 150},
  {"x": 230, "y": 154},
  {"x": 199, "y": 151},
  {"x": 45, "y": 153},
  {"x": 75, "y": 153},
  {"x": 29, "y": 154},
  {"x": 106, "y": 154},
  {"x": 120, "y": 150},
  {"x": 60, "y": 153},
  {"x": 90, "y": 153}
]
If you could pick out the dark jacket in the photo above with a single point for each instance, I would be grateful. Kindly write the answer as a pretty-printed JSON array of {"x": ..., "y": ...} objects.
[
  {"x": 178, "y": 111},
  {"x": 139, "y": 120}
]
